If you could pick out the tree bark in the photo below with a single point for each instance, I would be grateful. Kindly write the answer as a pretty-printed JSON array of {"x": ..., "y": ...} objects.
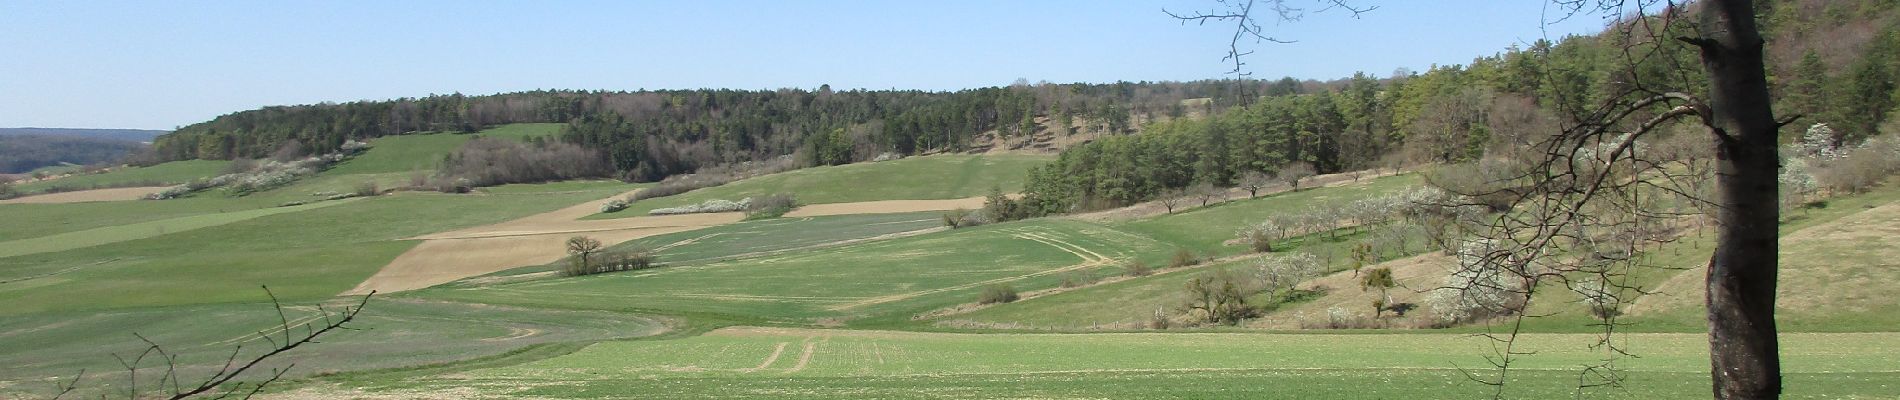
[{"x": 1744, "y": 357}]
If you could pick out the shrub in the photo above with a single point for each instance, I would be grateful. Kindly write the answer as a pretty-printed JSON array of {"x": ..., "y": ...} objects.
[
  {"x": 709, "y": 206},
  {"x": 489, "y": 162},
  {"x": 771, "y": 205},
  {"x": 1159, "y": 322},
  {"x": 581, "y": 250},
  {"x": 1219, "y": 297},
  {"x": 1480, "y": 288},
  {"x": 1259, "y": 237},
  {"x": 612, "y": 206},
  {"x": 1077, "y": 279},
  {"x": 681, "y": 184},
  {"x": 7, "y": 191},
  {"x": 955, "y": 218},
  {"x": 633, "y": 259},
  {"x": 241, "y": 165},
  {"x": 367, "y": 188},
  {"x": 1856, "y": 171},
  {"x": 1183, "y": 258},
  {"x": 1138, "y": 269},
  {"x": 997, "y": 293}
]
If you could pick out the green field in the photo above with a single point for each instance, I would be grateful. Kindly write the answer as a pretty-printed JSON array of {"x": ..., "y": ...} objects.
[
  {"x": 424, "y": 151},
  {"x": 391, "y": 333},
  {"x": 141, "y": 230},
  {"x": 914, "y": 178},
  {"x": 1204, "y": 229},
  {"x": 306, "y": 255},
  {"x": 881, "y": 282},
  {"x": 170, "y": 173},
  {"x": 741, "y": 363},
  {"x": 78, "y": 279}
]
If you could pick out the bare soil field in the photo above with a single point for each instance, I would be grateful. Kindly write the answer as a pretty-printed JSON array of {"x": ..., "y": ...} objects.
[{"x": 80, "y": 196}]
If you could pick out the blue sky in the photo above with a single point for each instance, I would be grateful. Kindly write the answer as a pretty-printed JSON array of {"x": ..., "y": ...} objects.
[{"x": 161, "y": 64}]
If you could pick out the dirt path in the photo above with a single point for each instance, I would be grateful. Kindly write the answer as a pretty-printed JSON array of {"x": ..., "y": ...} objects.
[
  {"x": 885, "y": 207},
  {"x": 80, "y": 196}
]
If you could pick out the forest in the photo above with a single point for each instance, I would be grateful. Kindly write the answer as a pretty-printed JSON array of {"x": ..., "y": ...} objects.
[{"x": 1831, "y": 62}]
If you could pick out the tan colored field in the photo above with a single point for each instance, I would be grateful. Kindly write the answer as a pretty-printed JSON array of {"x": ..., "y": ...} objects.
[
  {"x": 1844, "y": 266},
  {"x": 885, "y": 207},
  {"x": 1417, "y": 275},
  {"x": 81, "y": 196}
]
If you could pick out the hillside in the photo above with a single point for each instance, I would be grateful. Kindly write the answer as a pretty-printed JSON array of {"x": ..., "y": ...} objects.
[
  {"x": 129, "y": 135},
  {"x": 1367, "y": 237},
  {"x": 24, "y": 153}
]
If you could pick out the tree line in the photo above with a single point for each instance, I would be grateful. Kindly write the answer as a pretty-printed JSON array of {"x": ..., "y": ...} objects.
[
  {"x": 1494, "y": 106},
  {"x": 650, "y": 134}
]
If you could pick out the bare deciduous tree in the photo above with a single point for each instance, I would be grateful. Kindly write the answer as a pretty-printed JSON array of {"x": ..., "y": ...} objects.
[
  {"x": 1253, "y": 181},
  {"x": 1292, "y": 173}
]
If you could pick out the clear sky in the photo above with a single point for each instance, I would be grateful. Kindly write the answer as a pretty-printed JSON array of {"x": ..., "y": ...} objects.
[{"x": 162, "y": 64}]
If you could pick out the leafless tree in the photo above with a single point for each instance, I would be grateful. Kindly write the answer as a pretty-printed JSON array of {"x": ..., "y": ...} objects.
[
  {"x": 224, "y": 384},
  {"x": 1171, "y": 198},
  {"x": 1253, "y": 181},
  {"x": 1592, "y": 178},
  {"x": 1292, "y": 173}
]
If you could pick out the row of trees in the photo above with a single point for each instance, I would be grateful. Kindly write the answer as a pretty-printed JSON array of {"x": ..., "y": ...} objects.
[{"x": 652, "y": 134}]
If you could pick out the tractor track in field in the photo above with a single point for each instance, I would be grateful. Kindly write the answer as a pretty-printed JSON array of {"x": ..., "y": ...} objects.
[
  {"x": 538, "y": 239},
  {"x": 1090, "y": 259}
]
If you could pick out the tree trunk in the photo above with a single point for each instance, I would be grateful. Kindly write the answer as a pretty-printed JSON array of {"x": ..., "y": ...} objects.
[{"x": 1744, "y": 358}]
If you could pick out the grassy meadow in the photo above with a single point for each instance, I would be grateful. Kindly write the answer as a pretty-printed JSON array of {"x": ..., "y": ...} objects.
[
  {"x": 816, "y": 363},
  {"x": 170, "y": 173},
  {"x": 949, "y": 176},
  {"x": 867, "y": 305}
]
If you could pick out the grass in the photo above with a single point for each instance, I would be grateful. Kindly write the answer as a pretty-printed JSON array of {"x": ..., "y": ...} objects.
[
  {"x": 914, "y": 178},
  {"x": 141, "y": 230},
  {"x": 404, "y": 153},
  {"x": 829, "y": 364},
  {"x": 1205, "y": 229},
  {"x": 390, "y": 333},
  {"x": 170, "y": 173},
  {"x": 35, "y": 220},
  {"x": 1127, "y": 304},
  {"x": 307, "y": 255},
  {"x": 767, "y": 236},
  {"x": 424, "y": 151},
  {"x": 882, "y": 282}
]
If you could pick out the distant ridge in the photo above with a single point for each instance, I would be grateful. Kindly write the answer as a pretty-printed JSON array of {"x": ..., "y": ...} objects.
[{"x": 136, "y": 135}]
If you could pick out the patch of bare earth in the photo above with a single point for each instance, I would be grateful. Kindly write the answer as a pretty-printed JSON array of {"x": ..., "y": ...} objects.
[
  {"x": 1841, "y": 267},
  {"x": 1417, "y": 276},
  {"x": 81, "y": 196}
]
